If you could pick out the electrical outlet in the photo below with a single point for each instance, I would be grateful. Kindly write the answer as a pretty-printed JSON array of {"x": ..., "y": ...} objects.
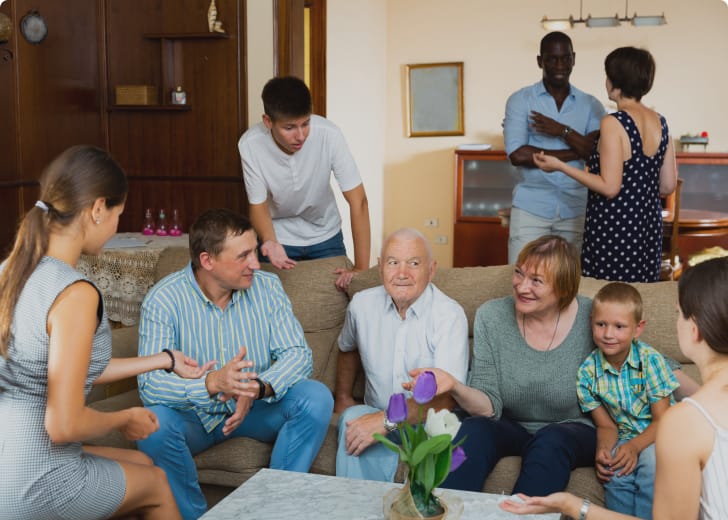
[
  {"x": 441, "y": 239},
  {"x": 432, "y": 222}
]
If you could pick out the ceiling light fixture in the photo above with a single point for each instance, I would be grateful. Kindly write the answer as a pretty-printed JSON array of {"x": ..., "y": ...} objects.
[{"x": 560, "y": 24}]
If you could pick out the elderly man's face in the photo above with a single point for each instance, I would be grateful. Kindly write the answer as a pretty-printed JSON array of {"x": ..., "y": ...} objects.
[{"x": 406, "y": 270}]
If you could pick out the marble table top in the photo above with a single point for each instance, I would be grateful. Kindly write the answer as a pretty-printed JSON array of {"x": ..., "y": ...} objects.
[{"x": 278, "y": 495}]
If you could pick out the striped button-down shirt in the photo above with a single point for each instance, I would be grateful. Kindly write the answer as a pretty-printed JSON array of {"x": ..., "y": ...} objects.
[
  {"x": 627, "y": 393},
  {"x": 177, "y": 315}
]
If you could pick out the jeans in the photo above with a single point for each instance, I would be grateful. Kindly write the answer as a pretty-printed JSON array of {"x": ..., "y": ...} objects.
[
  {"x": 525, "y": 227},
  {"x": 334, "y": 246},
  {"x": 296, "y": 425},
  {"x": 632, "y": 494},
  {"x": 547, "y": 456},
  {"x": 377, "y": 462}
]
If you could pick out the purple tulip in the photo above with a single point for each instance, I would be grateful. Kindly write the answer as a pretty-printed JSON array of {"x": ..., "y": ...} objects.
[
  {"x": 425, "y": 387},
  {"x": 397, "y": 409},
  {"x": 458, "y": 457}
]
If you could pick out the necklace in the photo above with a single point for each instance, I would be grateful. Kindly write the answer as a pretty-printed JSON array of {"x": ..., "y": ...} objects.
[{"x": 553, "y": 337}]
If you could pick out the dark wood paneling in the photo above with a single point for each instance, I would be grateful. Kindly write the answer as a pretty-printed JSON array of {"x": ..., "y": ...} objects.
[
  {"x": 480, "y": 243},
  {"x": 147, "y": 45},
  {"x": 317, "y": 60},
  {"x": 58, "y": 83},
  {"x": 8, "y": 142},
  {"x": 289, "y": 35}
]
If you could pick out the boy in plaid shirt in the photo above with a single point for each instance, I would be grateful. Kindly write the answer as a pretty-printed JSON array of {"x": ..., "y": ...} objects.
[{"x": 627, "y": 386}]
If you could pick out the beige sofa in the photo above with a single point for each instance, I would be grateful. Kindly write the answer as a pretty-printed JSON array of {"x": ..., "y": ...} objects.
[{"x": 321, "y": 309}]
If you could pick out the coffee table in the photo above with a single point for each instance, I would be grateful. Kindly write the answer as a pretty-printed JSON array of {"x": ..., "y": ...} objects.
[{"x": 280, "y": 495}]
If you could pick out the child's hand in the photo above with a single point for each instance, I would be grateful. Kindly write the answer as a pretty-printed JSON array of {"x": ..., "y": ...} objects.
[
  {"x": 625, "y": 459},
  {"x": 603, "y": 465}
]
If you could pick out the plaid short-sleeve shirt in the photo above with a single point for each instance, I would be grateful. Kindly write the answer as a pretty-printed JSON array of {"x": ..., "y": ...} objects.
[{"x": 627, "y": 393}]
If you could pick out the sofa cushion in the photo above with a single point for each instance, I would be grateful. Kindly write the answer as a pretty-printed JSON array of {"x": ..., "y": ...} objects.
[{"x": 317, "y": 303}]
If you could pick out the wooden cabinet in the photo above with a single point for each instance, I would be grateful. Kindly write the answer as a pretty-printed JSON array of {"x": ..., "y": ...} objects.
[
  {"x": 483, "y": 192},
  {"x": 484, "y": 186}
]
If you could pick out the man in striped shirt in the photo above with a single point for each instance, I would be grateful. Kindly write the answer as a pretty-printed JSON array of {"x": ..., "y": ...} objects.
[{"x": 221, "y": 307}]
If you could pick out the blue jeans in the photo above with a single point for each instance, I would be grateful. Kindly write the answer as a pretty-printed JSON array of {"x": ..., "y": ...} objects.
[
  {"x": 547, "y": 456},
  {"x": 377, "y": 462},
  {"x": 296, "y": 424},
  {"x": 334, "y": 246},
  {"x": 632, "y": 494}
]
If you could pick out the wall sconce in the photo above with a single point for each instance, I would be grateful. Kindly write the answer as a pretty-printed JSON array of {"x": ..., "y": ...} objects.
[{"x": 560, "y": 24}]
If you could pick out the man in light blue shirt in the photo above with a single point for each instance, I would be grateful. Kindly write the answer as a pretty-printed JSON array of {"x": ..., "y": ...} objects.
[
  {"x": 405, "y": 324},
  {"x": 557, "y": 118},
  {"x": 221, "y": 307}
]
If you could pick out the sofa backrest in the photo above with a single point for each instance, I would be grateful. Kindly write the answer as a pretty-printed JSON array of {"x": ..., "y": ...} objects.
[{"x": 472, "y": 286}]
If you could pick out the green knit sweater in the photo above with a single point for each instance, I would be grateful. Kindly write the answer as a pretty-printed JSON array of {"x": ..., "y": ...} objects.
[{"x": 529, "y": 386}]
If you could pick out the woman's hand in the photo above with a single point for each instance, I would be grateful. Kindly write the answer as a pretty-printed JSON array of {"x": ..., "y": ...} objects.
[
  {"x": 444, "y": 380},
  {"x": 554, "y": 503},
  {"x": 547, "y": 163},
  {"x": 188, "y": 368},
  {"x": 140, "y": 424}
]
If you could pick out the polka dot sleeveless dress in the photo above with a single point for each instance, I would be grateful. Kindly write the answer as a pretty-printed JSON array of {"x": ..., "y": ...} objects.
[{"x": 623, "y": 235}]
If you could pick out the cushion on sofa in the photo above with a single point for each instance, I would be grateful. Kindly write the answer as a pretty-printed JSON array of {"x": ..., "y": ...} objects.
[{"x": 317, "y": 303}]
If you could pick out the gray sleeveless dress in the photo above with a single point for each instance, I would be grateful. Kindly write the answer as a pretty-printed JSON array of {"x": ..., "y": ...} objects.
[{"x": 40, "y": 479}]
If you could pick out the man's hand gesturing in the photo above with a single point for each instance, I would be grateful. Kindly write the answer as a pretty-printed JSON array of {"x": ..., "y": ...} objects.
[{"x": 231, "y": 380}]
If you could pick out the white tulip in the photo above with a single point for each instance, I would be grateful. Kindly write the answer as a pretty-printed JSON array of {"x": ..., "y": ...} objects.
[{"x": 441, "y": 422}]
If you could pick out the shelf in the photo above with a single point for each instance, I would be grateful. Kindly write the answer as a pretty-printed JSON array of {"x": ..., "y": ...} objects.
[
  {"x": 187, "y": 36},
  {"x": 150, "y": 108}
]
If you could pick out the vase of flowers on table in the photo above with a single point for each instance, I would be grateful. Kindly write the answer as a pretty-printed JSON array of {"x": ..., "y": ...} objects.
[{"x": 427, "y": 449}]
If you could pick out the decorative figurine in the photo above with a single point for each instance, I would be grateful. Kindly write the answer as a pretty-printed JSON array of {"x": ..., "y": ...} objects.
[{"x": 213, "y": 24}]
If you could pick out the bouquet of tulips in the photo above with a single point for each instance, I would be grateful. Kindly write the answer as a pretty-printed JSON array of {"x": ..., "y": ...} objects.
[{"x": 427, "y": 448}]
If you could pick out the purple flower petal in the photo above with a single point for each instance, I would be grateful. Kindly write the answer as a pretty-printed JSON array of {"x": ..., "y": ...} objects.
[
  {"x": 425, "y": 387},
  {"x": 458, "y": 457},
  {"x": 397, "y": 409}
]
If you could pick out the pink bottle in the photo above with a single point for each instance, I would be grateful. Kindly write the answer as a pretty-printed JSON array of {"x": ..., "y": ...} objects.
[
  {"x": 175, "y": 227},
  {"x": 162, "y": 223},
  {"x": 148, "y": 228}
]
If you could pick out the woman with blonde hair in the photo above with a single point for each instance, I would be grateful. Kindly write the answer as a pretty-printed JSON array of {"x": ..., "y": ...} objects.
[{"x": 55, "y": 343}]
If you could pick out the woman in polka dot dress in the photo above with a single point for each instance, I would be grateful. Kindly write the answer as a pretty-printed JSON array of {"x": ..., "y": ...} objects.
[{"x": 632, "y": 167}]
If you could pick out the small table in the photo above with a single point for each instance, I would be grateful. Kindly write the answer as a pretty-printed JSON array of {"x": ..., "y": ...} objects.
[
  {"x": 275, "y": 495},
  {"x": 125, "y": 271}
]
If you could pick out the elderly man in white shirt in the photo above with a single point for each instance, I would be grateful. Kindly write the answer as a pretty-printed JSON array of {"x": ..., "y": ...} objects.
[{"x": 390, "y": 330}]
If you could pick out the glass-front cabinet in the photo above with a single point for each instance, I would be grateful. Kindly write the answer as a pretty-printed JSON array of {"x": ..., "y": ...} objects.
[{"x": 484, "y": 186}]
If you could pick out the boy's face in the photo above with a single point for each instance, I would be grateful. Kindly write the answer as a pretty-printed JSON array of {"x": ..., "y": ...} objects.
[
  {"x": 613, "y": 328},
  {"x": 289, "y": 133}
]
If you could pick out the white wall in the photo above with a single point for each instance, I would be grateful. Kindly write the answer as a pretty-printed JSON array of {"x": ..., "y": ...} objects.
[
  {"x": 260, "y": 54},
  {"x": 356, "y": 99}
]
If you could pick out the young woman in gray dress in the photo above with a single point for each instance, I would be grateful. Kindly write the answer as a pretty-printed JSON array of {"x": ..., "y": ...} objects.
[{"x": 55, "y": 343}]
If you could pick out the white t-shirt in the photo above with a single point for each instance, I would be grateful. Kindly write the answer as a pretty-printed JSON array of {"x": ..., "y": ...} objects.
[
  {"x": 434, "y": 334},
  {"x": 297, "y": 187}
]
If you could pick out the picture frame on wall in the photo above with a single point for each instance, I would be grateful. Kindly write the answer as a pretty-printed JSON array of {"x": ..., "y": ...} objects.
[{"x": 434, "y": 99}]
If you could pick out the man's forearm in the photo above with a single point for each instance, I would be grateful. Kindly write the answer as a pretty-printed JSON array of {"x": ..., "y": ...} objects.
[{"x": 523, "y": 156}]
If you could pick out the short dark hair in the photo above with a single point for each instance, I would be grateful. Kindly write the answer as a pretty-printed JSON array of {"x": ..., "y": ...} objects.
[
  {"x": 560, "y": 261},
  {"x": 555, "y": 37},
  {"x": 631, "y": 70},
  {"x": 210, "y": 230},
  {"x": 702, "y": 297},
  {"x": 621, "y": 293},
  {"x": 286, "y": 97}
]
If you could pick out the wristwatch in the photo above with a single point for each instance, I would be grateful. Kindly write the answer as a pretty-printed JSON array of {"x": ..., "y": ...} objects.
[
  {"x": 389, "y": 425},
  {"x": 565, "y": 132}
]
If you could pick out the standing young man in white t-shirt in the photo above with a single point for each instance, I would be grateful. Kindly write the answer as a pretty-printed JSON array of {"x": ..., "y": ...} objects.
[{"x": 287, "y": 160}]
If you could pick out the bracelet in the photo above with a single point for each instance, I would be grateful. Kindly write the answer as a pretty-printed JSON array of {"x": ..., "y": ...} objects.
[
  {"x": 565, "y": 132},
  {"x": 584, "y": 509},
  {"x": 171, "y": 356},
  {"x": 261, "y": 390}
]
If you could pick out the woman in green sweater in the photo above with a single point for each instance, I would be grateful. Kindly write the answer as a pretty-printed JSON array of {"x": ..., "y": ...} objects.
[{"x": 521, "y": 394}]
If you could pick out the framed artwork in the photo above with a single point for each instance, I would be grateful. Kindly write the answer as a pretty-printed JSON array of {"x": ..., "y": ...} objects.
[{"x": 435, "y": 99}]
